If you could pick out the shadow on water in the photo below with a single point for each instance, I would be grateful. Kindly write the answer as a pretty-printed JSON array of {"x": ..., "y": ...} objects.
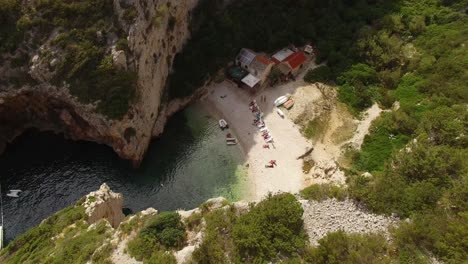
[{"x": 187, "y": 165}]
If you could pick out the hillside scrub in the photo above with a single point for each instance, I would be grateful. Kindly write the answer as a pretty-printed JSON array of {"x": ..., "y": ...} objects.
[
  {"x": 272, "y": 228},
  {"x": 414, "y": 55},
  {"x": 320, "y": 192},
  {"x": 160, "y": 233},
  {"x": 83, "y": 28},
  {"x": 339, "y": 247},
  {"x": 76, "y": 245}
]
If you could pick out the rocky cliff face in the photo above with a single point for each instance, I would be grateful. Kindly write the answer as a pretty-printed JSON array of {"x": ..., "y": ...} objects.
[
  {"x": 104, "y": 203},
  {"x": 156, "y": 31}
]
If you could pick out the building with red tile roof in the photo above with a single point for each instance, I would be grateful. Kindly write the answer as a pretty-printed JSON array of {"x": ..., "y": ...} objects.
[{"x": 293, "y": 63}]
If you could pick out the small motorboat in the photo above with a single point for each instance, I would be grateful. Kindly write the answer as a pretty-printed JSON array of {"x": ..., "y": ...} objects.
[
  {"x": 13, "y": 193},
  {"x": 281, "y": 100},
  {"x": 223, "y": 124},
  {"x": 264, "y": 129},
  {"x": 231, "y": 142},
  {"x": 280, "y": 113},
  {"x": 261, "y": 125},
  {"x": 229, "y": 136},
  {"x": 269, "y": 139},
  {"x": 231, "y": 139}
]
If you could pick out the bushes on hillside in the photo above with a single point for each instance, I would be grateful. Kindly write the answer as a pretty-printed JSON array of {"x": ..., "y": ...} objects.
[
  {"x": 320, "y": 192},
  {"x": 83, "y": 49},
  {"x": 162, "y": 231},
  {"x": 272, "y": 228},
  {"x": 217, "y": 245},
  {"x": 319, "y": 74},
  {"x": 36, "y": 244},
  {"x": 339, "y": 247}
]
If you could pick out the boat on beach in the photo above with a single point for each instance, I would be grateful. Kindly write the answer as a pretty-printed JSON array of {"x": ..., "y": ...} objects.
[
  {"x": 223, "y": 124},
  {"x": 281, "y": 100},
  {"x": 280, "y": 113},
  {"x": 231, "y": 142},
  {"x": 289, "y": 104}
]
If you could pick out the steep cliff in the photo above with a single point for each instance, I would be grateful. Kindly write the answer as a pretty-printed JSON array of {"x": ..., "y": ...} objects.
[{"x": 46, "y": 81}]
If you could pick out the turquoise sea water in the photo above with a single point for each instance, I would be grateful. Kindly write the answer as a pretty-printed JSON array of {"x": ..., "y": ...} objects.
[{"x": 187, "y": 165}]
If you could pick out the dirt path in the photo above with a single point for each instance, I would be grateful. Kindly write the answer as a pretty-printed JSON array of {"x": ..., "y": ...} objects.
[{"x": 363, "y": 127}]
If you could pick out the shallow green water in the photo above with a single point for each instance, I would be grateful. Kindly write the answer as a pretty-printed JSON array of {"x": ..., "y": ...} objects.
[{"x": 187, "y": 165}]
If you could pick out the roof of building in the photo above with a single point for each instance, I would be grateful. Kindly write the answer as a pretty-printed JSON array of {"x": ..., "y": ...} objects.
[
  {"x": 263, "y": 59},
  {"x": 250, "y": 80},
  {"x": 281, "y": 55},
  {"x": 296, "y": 59},
  {"x": 246, "y": 56},
  {"x": 259, "y": 65}
]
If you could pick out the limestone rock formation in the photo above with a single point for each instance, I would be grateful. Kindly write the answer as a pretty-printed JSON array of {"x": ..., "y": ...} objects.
[
  {"x": 157, "y": 32},
  {"x": 331, "y": 215},
  {"x": 104, "y": 203}
]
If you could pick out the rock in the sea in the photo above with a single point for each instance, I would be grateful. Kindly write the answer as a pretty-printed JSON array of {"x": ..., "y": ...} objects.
[{"x": 104, "y": 203}]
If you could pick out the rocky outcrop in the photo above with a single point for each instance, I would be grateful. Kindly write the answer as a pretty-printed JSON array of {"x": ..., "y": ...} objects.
[
  {"x": 104, "y": 204},
  {"x": 158, "y": 31},
  {"x": 322, "y": 217},
  {"x": 328, "y": 170}
]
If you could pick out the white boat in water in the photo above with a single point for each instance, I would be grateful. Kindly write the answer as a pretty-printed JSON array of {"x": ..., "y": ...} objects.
[
  {"x": 13, "y": 193},
  {"x": 281, "y": 100},
  {"x": 280, "y": 113},
  {"x": 223, "y": 124}
]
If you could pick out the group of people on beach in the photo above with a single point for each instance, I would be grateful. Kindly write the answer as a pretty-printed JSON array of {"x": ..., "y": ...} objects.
[{"x": 258, "y": 122}]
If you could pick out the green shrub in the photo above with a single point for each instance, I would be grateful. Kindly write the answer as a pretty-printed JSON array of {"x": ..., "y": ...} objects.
[
  {"x": 217, "y": 245},
  {"x": 272, "y": 228},
  {"x": 324, "y": 191},
  {"x": 79, "y": 248},
  {"x": 194, "y": 220},
  {"x": 160, "y": 257},
  {"x": 161, "y": 231},
  {"x": 339, "y": 247}
]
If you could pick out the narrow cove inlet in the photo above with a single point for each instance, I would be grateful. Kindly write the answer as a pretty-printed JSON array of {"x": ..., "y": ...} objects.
[{"x": 187, "y": 165}]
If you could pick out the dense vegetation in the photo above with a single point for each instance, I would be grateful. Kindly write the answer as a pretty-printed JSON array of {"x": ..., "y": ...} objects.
[
  {"x": 9, "y": 34},
  {"x": 415, "y": 55},
  {"x": 320, "y": 192},
  {"x": 413, "y": 52},
  {"x": 161, "y": 232},
  {"x": 65, "y": 233},
  {"x": 270, "y": 231},
  {"x": 82, "y": 40}
]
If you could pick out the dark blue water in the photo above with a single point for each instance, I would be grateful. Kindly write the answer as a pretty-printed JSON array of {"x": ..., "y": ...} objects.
[{"x": 187, "y": 165}]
